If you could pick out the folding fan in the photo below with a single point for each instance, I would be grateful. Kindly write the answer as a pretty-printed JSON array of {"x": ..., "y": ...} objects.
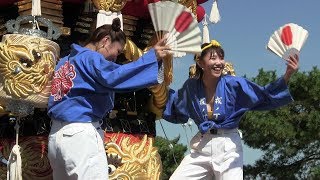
[
  {"x": 287, "y": 40},
  {"x": 178, "y": 24}
]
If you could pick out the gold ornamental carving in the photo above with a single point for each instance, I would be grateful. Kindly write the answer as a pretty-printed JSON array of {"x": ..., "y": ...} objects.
[
  {"x": 130, "y": 159},
  {"x": 26, "y": 67},
  {"x": 109, "y": 5}
]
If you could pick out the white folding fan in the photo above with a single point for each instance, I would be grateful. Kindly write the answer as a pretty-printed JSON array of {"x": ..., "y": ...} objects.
[
  {"x": 287, "y": 40},
  {"x": 178, "y": 24}
]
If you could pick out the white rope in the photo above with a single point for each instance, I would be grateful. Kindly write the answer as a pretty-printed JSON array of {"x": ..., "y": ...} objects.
[
  {"x": 14, "y": 171},
  {"x": 170, "y": 145},
  {"x": 36, "y": 8},
  {"x": 185, "y": 131},
  {"x": 205, "y": 31}
]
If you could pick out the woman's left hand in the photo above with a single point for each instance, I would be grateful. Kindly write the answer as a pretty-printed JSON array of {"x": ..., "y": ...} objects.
[{"x": 292, "y": 67}]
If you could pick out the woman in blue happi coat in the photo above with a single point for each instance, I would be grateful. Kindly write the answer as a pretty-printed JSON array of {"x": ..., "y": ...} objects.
[
  {"x": 216, "y": 103},
  {"x": 82, "y": 92}
]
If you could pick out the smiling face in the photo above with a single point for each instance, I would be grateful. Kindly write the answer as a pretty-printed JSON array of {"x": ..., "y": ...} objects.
[{"x": 212, "y": 62}]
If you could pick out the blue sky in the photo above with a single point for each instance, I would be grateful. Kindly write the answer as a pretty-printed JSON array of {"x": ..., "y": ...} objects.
[{"x": 244, "y": 31}]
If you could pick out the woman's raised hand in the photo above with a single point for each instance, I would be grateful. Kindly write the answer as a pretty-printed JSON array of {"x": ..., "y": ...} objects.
[{"x": 161, "y": 49}]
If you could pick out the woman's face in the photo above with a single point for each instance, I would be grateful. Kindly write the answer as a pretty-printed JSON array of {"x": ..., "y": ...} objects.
[
  {"x": 212, "y": 64},
  {"x": 111, "y": 50}
]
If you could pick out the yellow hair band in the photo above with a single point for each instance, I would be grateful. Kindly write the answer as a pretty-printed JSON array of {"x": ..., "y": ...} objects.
[{"x": 212, "y": 43}]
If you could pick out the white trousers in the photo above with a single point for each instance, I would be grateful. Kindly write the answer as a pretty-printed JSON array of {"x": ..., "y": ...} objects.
[
  {"x": 213, "y": 156},
  {"x": 76, "y": 151}
]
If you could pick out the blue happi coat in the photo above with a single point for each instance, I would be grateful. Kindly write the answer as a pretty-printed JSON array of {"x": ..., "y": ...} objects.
[
  {"x": 234, "y": 96},
  {"x": 84, "y": 83}
]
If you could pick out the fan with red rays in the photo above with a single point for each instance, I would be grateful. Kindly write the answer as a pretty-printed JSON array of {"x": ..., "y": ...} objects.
[
  {"x": 287, "y": 40},
  {"x": 178, "y": 24}
]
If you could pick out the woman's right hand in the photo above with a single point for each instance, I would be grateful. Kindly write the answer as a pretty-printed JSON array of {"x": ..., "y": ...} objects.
[{"x": 161, "y": 49}]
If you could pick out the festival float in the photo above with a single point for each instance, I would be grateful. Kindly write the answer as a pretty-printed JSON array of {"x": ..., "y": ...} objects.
[{"x": 35, "y": 34}]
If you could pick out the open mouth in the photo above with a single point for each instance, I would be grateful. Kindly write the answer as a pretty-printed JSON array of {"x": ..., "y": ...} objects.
[{"x": 217, "y": 69}]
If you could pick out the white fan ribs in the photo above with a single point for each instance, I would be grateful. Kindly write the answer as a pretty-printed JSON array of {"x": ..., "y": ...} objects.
[{"x": 178, "y": 24}]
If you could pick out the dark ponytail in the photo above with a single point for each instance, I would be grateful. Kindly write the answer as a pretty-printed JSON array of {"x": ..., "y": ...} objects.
[
  {"x": 116, "y": 25},
  {"x": 113, "y": 30}
]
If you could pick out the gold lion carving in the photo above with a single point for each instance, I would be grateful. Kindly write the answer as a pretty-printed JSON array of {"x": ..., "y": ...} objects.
[
  {"x": 26, "y": 67},
  {"x": 138, "y": 160}
]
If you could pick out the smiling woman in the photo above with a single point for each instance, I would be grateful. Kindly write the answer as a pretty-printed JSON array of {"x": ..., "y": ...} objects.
[{"x": 216, "y": 103}]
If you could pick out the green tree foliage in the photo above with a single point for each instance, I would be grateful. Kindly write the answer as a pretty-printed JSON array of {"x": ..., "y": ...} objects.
[
  {"x": 171, "y": 155},
  {"x": 289, "y": 136}
]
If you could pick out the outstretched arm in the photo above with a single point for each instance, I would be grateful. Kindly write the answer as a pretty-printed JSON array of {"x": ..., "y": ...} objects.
[
  {"x": 144, "y": 72},
  {"x": 251, "y": 96}
]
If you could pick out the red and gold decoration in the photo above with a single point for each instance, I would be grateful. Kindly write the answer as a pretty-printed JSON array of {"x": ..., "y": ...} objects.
[
  {"x": 129, "y": 157},
  {"x": 35, "y": 164},
  {"x": 132, "y": 157}
]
